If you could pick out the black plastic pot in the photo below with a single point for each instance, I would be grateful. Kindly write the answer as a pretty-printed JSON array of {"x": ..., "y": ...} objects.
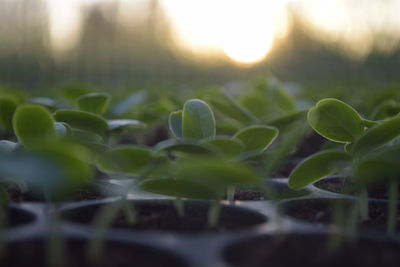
[{"x": 259, "y": 228}]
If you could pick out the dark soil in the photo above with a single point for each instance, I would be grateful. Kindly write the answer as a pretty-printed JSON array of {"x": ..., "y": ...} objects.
[
  {"x": 343, "y": 186},
  {"x": 322, "y": 211},
  {"x": 249, "y": 194},
  {"x": 16, "y": 195},
  {"x": 162, "y": 216},
  {"x": 310, "y": 145},
  {"x": 116, "y": 254},
  {"x": 276, "y": 190},
  {"x": 311, "y": 251}
]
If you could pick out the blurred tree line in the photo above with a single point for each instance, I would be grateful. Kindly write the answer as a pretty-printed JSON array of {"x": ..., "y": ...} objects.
[{"x": 110, "y": 54}]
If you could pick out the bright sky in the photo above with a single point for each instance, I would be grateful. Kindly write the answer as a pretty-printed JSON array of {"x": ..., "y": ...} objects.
[{"x": 244, "y": 30}]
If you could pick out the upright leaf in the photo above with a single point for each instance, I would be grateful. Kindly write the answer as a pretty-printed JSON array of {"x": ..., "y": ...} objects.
[
  {"x": 318, "y": 166},
  {"x": 175, "y": 123},
  {"x": 257, "y": 137},
  {"x": 33, "y": 125},
  {"x": 197, "y": 120},
  {"x": 93, "y": 102},
  {"x": 335, "y": 120},
  {"x": 377, "y": 136}
]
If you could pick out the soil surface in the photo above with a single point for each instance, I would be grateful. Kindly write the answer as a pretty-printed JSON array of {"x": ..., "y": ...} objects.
[
  {"x": 249, "y": 194},
  {"x": 16, "y": 195},
  {"x": 323, "y": 211},
  {"x": 163, "y": 216},
  {"x": 311, "y": 251},
  {"x": 116, "y": 254},
  {"x": 343, "y": 186}
]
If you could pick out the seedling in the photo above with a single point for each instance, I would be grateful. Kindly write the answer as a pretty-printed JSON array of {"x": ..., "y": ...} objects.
[
  {"x": 362, "y": 141},
  {"x": 93, "y": 102},
  {"x": 196, "y": 114}
]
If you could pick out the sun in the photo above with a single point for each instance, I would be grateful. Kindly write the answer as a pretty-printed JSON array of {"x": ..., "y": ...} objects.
[{"x": 244, "y": 30}]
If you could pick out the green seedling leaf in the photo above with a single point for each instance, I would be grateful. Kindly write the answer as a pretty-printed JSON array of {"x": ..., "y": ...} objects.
[
  {"x": 175, "y": 123},
  {"x": 128, "y": 160},
  {"x": 335, "y": 120},
  {"x": 377, "y": 136},
  {"x": 86, "y": 136},
  {"x": 180, "y": 188},
  {"x": 288, "y": 119},
  {"x": 72, "y": 92},
  {"x": 33, "y": 125},
  {"x": 62, "y": 129},
  {"x": 74, "y": 161},
  {"x": 129, "y": 102},
  {"x": 197, "y": 120},
  {"x": 257, "y": 137},
  {"x": 225, "y": 104},
  {"x": 82, "y": 120},
  {"x": 378, "y": 166},
  {"x": 7, "y": 108},
  {"x": 216, "y": 173},
  {"x": 119, "y": 125},
  {"x": 7, "y": 146},
  {"x": 182, "y": 147},
  {"x": 318, "y": 166},
  {"x": 387, "y": 109},
  {"x": 224, "y": 145},
  {"x": 93, "y": 102}
]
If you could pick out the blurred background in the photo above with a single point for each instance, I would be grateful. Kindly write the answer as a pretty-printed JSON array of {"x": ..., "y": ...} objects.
[{"x": 118, "y": 42}]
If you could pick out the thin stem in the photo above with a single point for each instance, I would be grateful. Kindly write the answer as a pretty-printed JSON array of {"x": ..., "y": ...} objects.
[
  {"x": 179, "y": 207},
  {"x": 213, "y": 213},
  {"x": 364, "y": 208},
  {"x": 393, "y": 200},
  {"x": 128, "y": 212},
  {"x": 104, "y": 219},
  {"x": 230, "y": 193},
  {"x": 55, "y": 244}
]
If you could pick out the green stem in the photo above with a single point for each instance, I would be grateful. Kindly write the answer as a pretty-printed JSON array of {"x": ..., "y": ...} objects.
[
  {"x": 393, "y": 199},
  {"x": 213, "y": 213},
  {"x": 179, "y": 207},
  {"x": 230, "y": 193},
  {"x": 55, "y": 244},
  {"x": 128, "y": 212},
  {"x": 364, "y": 208},
  {"x": 105, "y": 217}
]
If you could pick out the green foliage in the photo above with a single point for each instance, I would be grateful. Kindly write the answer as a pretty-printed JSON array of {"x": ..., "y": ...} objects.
[
  {"x": 183, "y": 148},
  {"x": 225, "y": 146},
  {"x": 175, "y": 123},
  {"x": 125, "y": 124},
  {"x": 377, "y": 136},
  {"x": 379, "y": 167},
  {"x": 318, "y": 166},
  {"x": 82, "y": 120},
  {"x": 202, "y": 178},
  {"x": 257, "y": 137},
  {"x": 128, "y": 159},
  {"x": 33, "y": 125},
  {"x": 93, "y": 102},
  {"x": 8, "y": 105},
  {"x": 197, "y": 120},
  {"x": 336, "y": 121}
]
